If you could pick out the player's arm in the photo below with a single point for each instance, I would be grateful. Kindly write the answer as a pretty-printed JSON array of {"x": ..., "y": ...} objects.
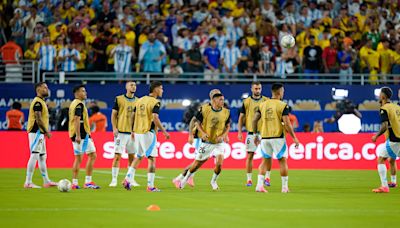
[
  {"x": 192, "y": 126},
  {"x": 157, "y": 120},
  {"x": 240, "y": 122},
  {"x": 133, "y": 122},
  {"x": 198, "y": 120},
  {"x": 37, "y": 108},
  {"x": 256, "y": 118},
  {"x": 384, "y": 125},
  {"x": 77, "y": 123},
  {"x": 288, "y": 126},
  {"x": 114, "y": 118}
]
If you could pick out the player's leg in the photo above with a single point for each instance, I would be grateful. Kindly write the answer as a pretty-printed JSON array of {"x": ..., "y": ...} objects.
[
  {"x": 250, "y": 149},
  {"x": 284, "y": 174},
  {"x": 43, "y": 170},
  {"x": 385, "y": 153},
  {"x": 34, "y": 156},
  {"x": 393, "y": 171},
  {"x": 75, "y": 171},
  {"x": 280, "y": 149},
  {"x": 268, "y": 167},
  {"x": 91, "y": 153},
  {"x": 140, "y": 152},
  {"x": 217, "y": 171},
  {"x": 197, "y": 143},
  {"x": 177, "y": 180},
  {"x": 130, "y": 149},
  {"x": 266, "y": 152},
  {"x": 194, "y": 167},
  {"x": 115, "y": 170},
  {"x": 151, "y": 174}
]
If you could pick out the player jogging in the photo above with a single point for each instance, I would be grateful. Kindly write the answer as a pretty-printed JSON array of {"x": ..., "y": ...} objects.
[
  {"x": 38, "y": 127},
  {"x": 272, "y": 113},
  {"x": 250, "y": 105},
  {"x": 146, "y": 121},
  {"x": 213, "y": 124},
  {"x": 390, "y": 126},
  {"x": 79, "y": 132},
  {"x": 121, "y": 120}
]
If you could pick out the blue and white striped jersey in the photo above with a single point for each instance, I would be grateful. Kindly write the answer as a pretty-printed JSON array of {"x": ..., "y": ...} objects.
[
  {"x": 69, "y": 64},
  {"x": 122, "y": 58},
  {"x": 47, "y": 54}
]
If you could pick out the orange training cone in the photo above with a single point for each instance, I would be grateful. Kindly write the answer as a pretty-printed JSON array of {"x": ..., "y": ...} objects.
[{"x": 153, "y": 207}]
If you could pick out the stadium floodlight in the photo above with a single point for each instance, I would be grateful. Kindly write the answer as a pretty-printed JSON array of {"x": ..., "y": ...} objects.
[
  {"x": 339, "y": 94},
  {"x": 186, "y": 102},
  {"x": 349, "y": 124},
  {"x": 377, "y": 92},
  {"x": 245, "y": 95}
]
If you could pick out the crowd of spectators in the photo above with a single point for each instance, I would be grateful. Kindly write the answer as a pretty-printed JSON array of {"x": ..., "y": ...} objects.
[{"x": 209, "y": 36}]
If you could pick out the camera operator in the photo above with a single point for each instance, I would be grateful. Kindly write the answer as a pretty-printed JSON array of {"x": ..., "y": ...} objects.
[{"x": 343, "y": 107}]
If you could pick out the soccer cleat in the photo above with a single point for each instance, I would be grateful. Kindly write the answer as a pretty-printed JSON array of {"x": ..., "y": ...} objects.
[
  {"x": 381, "y": 190},
  {"x": 154, "y": 189},
  {"x": 91, "y": 185},
  {"x": 267, "y": 182},
  {"x": 31, "y": 185},
  {"x": 285, "y": 190},
  {"x": 249, "y": 183},
  {"x": 214, "y": 186},
  {"x": 134, "y": 183},
  {"x": 177, "y": 183},
  {"x": 190, "y": 182},
  {"x": 75, "y": 186},
  {"x": 126, "y": 185},
  {"x": 50, "y": 184},
  {"x": 113, "y": 183},
  {"x": 261, "y": 189},
  {"x": 392, "y": 184}
]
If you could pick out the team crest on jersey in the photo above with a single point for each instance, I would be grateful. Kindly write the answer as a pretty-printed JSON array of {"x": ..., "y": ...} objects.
[
  {"x": 270, "y": 113},
  {"x": 397, "y": 112},
  {"x": 214, "y": 122}
]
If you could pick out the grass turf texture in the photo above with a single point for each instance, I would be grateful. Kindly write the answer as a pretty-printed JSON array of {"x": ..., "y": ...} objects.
[{"x": 317, "y": 199}]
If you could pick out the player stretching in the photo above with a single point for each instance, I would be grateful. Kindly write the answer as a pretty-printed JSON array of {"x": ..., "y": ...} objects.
[
  {"x": 195, "y": 141},
  {"x": 79, "y": 132},
  {"x": 213, "y": 123},
  {"x": 390, "y": 118},
  {"x": 121, "y": 120},
  {"x": 273, "y": 112},
  {"x": 250, "y": 105},
  {"x": 38, "y": 127},
  {"x": 145, "y": 122}
]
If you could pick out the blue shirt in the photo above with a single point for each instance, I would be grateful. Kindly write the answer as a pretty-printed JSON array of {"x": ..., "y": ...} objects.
[
  {"x": 346, "y": 60},
  {"x": 213, "y": 56},
  {"x": 150, "y": 53}
]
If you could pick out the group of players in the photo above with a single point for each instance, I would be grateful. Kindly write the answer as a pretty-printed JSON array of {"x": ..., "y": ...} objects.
[{"x": 135, "y": 122}]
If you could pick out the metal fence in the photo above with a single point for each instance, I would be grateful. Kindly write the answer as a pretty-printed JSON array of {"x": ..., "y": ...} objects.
[{"x": 18, "y": 71}]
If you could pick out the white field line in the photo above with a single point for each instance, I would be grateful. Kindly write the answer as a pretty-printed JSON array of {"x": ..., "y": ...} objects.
[{"x": 122, "y": 174}]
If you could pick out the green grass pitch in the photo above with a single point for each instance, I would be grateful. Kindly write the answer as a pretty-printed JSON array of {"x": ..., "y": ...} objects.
[{"x": 317, "y": 199}]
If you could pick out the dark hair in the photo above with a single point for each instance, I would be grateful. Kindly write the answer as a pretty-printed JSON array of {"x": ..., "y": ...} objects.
[
  {"x": 276, "y": 86},
  {"x": 387, "y": 91},
  {"x": 16, "y": 105},
  {"x": 255, "y": 83},
  {"x": 154, "y": 85},
  {"x": 95, "y": 109},
  {"x": 212, "y": 39},
  {"x": 217, "y": 95},
  {"x": 37, "y": 85},
  {"x": 77, "y": 88}
]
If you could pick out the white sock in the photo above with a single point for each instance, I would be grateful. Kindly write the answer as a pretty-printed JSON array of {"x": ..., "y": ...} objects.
[
  {"x": 268, "y": 175},
  {"x": 249, "y": 176},
  {"x": 130, "y": 175},
  {"x": 214, "y": 177},
  {"x": 186, "y": 178},
  {"x": 88, "y": 179},
  {"x": 114, "y": 173},
  {"x": 260, "y": 181},
  {"x": 150, "y": 180},
  {"x": 30, "y": 169},
  {"x": 43, "y": 168},
  {"x": 179, "y": 177},
  {"x": 75, "y": 181},
  {"x": 393, "y": 179},
  {"x": 382, "y": 174},
  {"x": 285, "y": 181}
]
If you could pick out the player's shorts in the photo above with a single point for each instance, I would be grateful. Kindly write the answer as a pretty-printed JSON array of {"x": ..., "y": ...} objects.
[
  {"x": 124, "y": 142},
  {"x": 196, "y": 143},
  {"x": 391, "y": 149},
  {"x": 85, "y": 146},
  {"x": 250, "y": 145},
  {"x": 37, "y": 143},
  {"x": 146, "y": 144},
  {"x": 207, "y": 149},
  {"x": 276, "y": 146}
]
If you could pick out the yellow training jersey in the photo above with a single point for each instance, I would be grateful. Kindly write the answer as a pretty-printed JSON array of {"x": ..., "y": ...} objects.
[
  {"x": 38, "y": 105},
  {"x": 391, "y": 113},
  {"x": 124, "y": 105},
  {"x": 271, "y": 112},
  {"x": 144, "y": 109},
  {"x": 249, "y": 108},
  {"x": 78, "y": 108},
  {"x": 213, "y": 121}
]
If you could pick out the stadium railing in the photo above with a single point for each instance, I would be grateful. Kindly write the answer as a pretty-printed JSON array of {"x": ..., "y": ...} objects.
[{"x": 18, "y": 71}]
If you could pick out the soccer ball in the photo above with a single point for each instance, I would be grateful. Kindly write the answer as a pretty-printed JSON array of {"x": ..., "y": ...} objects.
[
  {"x": 288, "y": 41},
  {"x": 64, "y": 185}
]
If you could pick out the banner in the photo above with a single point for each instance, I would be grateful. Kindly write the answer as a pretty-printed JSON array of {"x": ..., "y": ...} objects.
[{"x": 316, "y": 151}]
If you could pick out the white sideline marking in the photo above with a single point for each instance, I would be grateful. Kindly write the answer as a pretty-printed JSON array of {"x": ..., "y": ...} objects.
[{"x": 121, "y": 174}]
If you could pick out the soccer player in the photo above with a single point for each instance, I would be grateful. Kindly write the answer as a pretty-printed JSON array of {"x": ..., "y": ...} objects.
[
  {"x": 250, "y": 105},
  {"x": 38, "y": 127},
  {"x": 121, "y": 120},
  {"x": 393, "y": 171},
  {"x": 145, "y": 123},
  {"x": 79, "y": 132},
  {"x": 390, "y": 118},
  {"x": 272, "y": 113},
  {"x": 195, "y": 140},
  {"x": 213, "y": 124}
]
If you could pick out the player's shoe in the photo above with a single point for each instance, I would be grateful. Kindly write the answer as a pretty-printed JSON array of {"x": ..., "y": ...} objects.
[
  {"x": 50, "y": 184},
  {"x": 75, "y": 186},
  {"x": 134, "y": 183},
  {"x": 285, "y": 190},
  {"x": 249, "y": 183},
  {"x": 91, "y": 185},
  {"x": 177, "y": 183},
  {"x": 153, "y": 189},
  {"x": 392, "y": 184},
  {"x": 214, "y": 185},
  {"x": 190, "y": 182},
  {"x": 126, "y": 185},
  {"x": 261, "y": 189},
  {"x": 381, "y": 190},
  {"x": 31, "y": 185},
  {"x": 267, "y": 182},
  {"x": 113, "y": 183}
]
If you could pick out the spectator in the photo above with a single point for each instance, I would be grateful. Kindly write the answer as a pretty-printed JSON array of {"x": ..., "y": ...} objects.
[
  {"x": 212, "y": 57},
  {"x": 15, "y": 118},
  {"x": 30, "y": 53},
  {"x": 346, "y": 58},
  {"x": 110, "y": 56},
  {"x": 69, "y": 57},
  {"x": 235, "y": 32},
  {"x": 220, "y": 38},
  {"x": 385, "y": 55},
  {"x": 151, "y": 54},
  {"x": 176, "y": 27},
  {"x": 330, "y": 57},
  {"x": 97, "y": 121},
  {"x": 291, "y": 61},
  {"x": 81, "y": 64},
  {"x": 396, "y": 63},
  {"x": 47, "y": 56},
  {"x": 17, "y": 28},
  {"x": 122, "y": 55},
  {"x": 306, "y": 128},
  {"x": 318, "y": 127},
  {"x": 245, "y": 52},
  {"x": 250, "y": 67},
  {"x": 312, "y": 61},
  {"x": 267, "y": 11},
  {"x": 106, "y": 16},
  {"x": 230, "y": 58},
  {"x": 99, "y": 47},
  {"x": 173, "y": 69},
  {"x": 265, "y": 63},
  {"x": 202, "y": 14},
  {"x": 369, "y": 57},
  {"x": 194, "y": 61},
  {"x": 30, "y": 22},
  {"x": 11, "y": 53},
  {"x": 314, "y": 12},
  {"x": 293, "y": 119},
  {"x": 305, "y": 19}
]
